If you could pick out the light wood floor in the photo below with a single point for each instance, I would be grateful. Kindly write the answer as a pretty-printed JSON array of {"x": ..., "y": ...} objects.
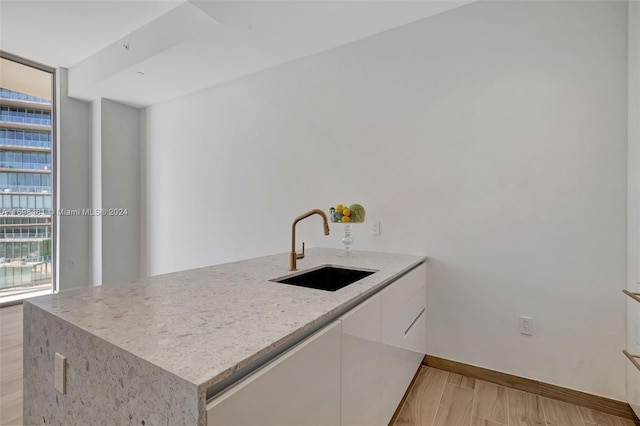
[
  {"x": 11, "y": 365},
  {"x": 439, "y": 398}
]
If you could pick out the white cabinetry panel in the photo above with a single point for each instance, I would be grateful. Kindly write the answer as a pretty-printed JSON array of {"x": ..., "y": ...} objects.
[
  {"x": 361, "y": 368},
  {"x": 633, "y": 382},
  {"x": 301, "y": 387},
  {"x": 404, "y": 336},
  {"x": 353, "y": 372},
  {"x": 633, "y": 347}
]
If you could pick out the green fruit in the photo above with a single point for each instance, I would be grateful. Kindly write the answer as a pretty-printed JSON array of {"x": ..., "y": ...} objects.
[
  {"x": 336, "y": 216},
  {"x": 357, "y": 213}
]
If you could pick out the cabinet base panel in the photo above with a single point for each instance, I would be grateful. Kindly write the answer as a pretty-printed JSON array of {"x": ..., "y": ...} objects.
[{"x": 583, "y": 399}]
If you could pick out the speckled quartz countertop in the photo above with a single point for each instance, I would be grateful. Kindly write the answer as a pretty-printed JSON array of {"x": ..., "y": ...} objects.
[{"x": 204, "y": 324}]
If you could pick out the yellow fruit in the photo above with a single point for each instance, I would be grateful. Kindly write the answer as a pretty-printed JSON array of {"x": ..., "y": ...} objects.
[
  {"x": 346, "y": 219},
  {"x": 346, "y": 212},
  {"x": 339, "y": 207}
]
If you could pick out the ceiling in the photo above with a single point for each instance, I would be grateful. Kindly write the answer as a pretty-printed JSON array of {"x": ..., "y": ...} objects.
[
  {"x": 62, "y": 33},
  {"x": 145, "y": 52}
]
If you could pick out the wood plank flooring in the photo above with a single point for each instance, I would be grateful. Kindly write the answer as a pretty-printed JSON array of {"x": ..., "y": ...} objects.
[
  {"x": 440, "y": 398},
  {"x": 11, "y": 365}
]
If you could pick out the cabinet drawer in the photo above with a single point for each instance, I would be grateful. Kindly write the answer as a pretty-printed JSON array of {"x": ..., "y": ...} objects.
[
  {"x": 403, "y": 309},
  {"x": 301, "y": 387},
  {"x": 403, "y": 289}
]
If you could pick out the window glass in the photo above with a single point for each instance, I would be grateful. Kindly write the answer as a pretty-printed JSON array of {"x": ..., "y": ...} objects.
[{"x": 24, "y": 189}]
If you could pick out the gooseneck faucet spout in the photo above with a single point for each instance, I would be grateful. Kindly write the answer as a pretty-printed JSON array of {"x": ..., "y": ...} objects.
[{"x": 294, "y": 256}]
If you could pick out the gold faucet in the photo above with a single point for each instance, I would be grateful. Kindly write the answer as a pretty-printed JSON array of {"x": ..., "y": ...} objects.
[{"x": 293, "y": 257}]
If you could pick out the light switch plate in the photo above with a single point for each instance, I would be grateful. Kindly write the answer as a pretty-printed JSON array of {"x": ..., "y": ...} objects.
[{"x": 60, "y": 373}]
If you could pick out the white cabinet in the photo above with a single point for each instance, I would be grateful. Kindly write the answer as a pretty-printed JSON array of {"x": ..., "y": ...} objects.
[
  {"x": 633, "y": 348},
  {"x": 404, "y": 336},
  {"x": 361, "y": 368},
  {"x": 384, "y": 341},
  {"x": 352, "y": 372},
  {"x": 301, "y": 387}
]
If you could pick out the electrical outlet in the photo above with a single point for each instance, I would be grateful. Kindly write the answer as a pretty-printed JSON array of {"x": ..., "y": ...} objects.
[
  {"x": 526, "y": 326},
  {"x": 375, "y": 228},
  {"x": 60, "y": 373}
]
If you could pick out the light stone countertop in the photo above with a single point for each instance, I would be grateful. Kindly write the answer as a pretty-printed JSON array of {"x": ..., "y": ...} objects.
[{"x": 204, "y": 324}]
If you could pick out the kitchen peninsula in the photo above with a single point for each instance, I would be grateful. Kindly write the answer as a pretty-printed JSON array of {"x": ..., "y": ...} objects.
[{"x": 158, "y": 350}]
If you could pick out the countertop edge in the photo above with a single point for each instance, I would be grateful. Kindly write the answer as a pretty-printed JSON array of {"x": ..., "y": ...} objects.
[{"x": 106, "y": 342}]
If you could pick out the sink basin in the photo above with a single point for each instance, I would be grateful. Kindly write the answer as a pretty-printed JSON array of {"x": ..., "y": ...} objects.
[{"x": 327, "y": 277}]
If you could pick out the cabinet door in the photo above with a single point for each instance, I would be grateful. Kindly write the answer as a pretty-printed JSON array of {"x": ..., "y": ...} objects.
[
  {"x": 633, "y": 381},
  {"x": 404, "y": 336},
  {"x": 301, "y": 387},
  {"x": 633, "y": 346},
  {"x": 361, "y": 368}
]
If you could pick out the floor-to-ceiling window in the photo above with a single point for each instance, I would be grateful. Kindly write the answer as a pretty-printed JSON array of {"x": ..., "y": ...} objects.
[{"x": 26, "y": 180}]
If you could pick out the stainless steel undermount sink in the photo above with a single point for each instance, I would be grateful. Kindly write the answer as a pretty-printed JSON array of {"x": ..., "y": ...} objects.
[{"x": 326, "y": 277}]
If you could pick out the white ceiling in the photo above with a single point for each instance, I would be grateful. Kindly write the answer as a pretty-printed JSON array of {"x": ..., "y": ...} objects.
[
  {"x": 62, "y": 33},
  {"x": 182, "y": 47}
]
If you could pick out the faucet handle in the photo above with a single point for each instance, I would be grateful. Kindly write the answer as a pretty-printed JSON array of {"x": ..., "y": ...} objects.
[{"x": 300, "y": 255}]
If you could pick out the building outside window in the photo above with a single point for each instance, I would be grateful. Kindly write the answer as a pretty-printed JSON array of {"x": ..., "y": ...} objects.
[{"x": 26, "y": 167}]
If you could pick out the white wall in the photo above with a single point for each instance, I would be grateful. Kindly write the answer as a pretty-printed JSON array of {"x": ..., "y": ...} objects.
[
  {"x": 120, "y": 191},
  {"x": 634, "y": 143},
  {"x": 143, "y": 223},
  {"x": 98, "y": 166},
  {"x": 96, "y": 191},
  {"x": 74, "y": 186},
  {"x": 633, "y": 208},
  {"x": 491, "y": 138}
]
